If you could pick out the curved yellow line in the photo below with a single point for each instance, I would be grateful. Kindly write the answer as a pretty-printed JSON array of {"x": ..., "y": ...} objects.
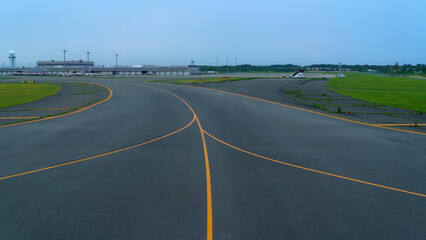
[
  {"x": 97, "y": 156},
  {"x": 306, "y": 110},
  {"x": 65, "y": 114},
  {"x": 312, "y": 170},
  {"x": 207, "y": 165}
]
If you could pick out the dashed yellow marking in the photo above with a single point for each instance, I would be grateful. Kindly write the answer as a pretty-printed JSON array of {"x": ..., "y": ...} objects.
[{"x": 313, "y": 170}]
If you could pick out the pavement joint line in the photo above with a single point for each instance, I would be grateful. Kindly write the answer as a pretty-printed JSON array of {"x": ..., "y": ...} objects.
[
  {"x": 207, "y": 165},
  {"x": 100, "y": 155},
  {"x": 65, "y": 114},
  {"x": 313, "y": 170},
  {"x": 311, "y": 111}
]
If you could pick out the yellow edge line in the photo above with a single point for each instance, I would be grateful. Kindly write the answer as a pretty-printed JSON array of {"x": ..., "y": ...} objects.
[
  {"x": 306, "y": 110},
  {"x": 207, "y": 165},
  {"x": 313, "y": 170},
  {"x": 97, "y": 156},
  {"x": 66, "y": 114}
]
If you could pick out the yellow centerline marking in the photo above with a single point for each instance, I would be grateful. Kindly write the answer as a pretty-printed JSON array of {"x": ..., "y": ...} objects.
[
  {"x": 310, "y": 111},
  {"x": 207, "y": 165},
  {"x": 313, "y": 170},
  {"x": 208, "y": 183},
  {"x": 66, "y": 114},
  {"x": 195, "y": 118},
  {"x": 98, "y": 156}
]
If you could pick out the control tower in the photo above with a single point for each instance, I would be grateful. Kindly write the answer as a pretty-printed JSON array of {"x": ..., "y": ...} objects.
[{"x": 12, "y": 59}]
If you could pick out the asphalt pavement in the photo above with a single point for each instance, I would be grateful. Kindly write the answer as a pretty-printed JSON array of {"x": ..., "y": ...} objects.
[{"x": 162, "y": 161}]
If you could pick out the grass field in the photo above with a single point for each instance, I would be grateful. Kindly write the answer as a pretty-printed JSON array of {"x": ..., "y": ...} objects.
[
  {"x": 17, "y": 93},
  {"x": 391, "y": 91}
]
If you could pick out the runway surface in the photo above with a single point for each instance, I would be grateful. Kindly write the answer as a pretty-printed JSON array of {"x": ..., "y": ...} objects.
[{"x": 161, "y": 161}]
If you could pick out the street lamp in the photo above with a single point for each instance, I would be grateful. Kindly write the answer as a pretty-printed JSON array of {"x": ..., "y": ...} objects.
[
  {"x": 217, "y": 64},
  {"x": 116, "y": 63},
  {"x": 65, "y": 65},
  {"x": 226, "y": 65},
  {"x": 88, "y": 66}
]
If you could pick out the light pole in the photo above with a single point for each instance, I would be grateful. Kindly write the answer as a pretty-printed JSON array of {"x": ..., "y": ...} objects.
[
  {"x": 116, "y": 63},
  {"x": 217, "y": 64},
  {"x": 226, "y": 65},
  {"x": 88, "y": 66},
  {"x": 235, "y": 64},
  {"x": 65, "y": 65}
]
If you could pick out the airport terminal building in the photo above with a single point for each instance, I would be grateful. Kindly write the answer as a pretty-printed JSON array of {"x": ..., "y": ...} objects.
[{"x": 88, "y": 67}]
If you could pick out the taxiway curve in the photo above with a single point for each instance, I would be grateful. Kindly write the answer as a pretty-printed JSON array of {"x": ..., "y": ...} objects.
[{"x": 158, "y": 190}]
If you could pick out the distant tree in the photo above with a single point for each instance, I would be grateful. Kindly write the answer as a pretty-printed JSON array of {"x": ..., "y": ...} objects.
[
  {"x": 389, "y": 69},
  {"x": 396, "y": 68},
  {"x": 410, "y": 68}
]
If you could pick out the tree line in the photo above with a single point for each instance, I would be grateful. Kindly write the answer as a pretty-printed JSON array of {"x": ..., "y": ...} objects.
[
  {"x": 251, "y": 68},
  {"x": 390, "y": 69}
]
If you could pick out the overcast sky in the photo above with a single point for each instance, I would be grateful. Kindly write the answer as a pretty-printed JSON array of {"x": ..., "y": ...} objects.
[{"x": 166, "y": 32}]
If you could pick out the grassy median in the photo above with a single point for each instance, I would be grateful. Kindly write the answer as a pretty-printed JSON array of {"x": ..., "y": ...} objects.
[
  {"x": 391, "y": 91},
  {"x": 17, "y": 93}
]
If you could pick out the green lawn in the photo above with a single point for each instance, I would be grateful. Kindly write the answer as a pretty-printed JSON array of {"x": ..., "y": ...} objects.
[
  {"x": 17, "y": 93},
  {"x": 391, "y": 91}
]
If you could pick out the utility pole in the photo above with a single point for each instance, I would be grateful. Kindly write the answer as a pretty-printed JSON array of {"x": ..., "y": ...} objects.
[
  {"x": 235, "y": 64},
  {"x": 217, "y": 64},
  {"x": 65, "y": 65},
  {"x": 116, "y": 63},
  {"x": 226, "y": 65},
  {"x": 88, "y": 66}
]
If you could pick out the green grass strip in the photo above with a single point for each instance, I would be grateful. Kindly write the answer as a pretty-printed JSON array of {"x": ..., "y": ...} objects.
[
  {"x": 391, "y": 91},
  {"x": 12, "y": 94}
]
